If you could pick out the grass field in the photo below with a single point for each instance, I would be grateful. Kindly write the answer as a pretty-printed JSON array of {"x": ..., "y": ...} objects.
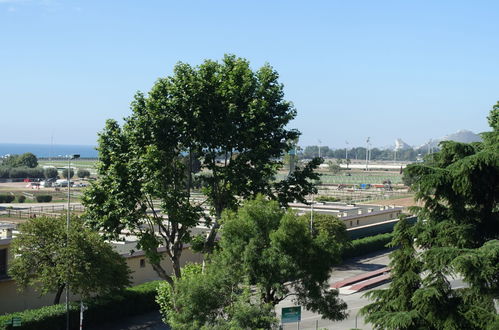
[
  {"x": 86, "y": 164},
  {"x": 356, "y": 177}
]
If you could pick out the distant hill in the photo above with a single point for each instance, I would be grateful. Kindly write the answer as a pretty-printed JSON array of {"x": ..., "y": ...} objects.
[{"x": 463, "y": 136}]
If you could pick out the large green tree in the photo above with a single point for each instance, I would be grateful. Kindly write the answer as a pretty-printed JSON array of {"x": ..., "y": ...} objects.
[
  {"x": 46, "y": 258},
  {"x": 223, "y": 114},
  {"x": 25, "y": 160},
  {"x": 273, "y": 253},
  {"x": 457, "y": 232}
]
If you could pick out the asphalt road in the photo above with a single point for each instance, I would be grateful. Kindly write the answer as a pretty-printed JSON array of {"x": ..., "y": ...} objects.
[{"x": 354, "y": 301}]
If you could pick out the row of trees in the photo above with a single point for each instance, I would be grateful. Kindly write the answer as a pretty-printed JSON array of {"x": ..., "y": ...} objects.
[
  {"x": 360, "y": 153},
  {"x": 230, "y": 122},
  {"x": 39, "y": 173},
  {"x": 458, "y": 236},
  {"x": 25, "y": 160}
]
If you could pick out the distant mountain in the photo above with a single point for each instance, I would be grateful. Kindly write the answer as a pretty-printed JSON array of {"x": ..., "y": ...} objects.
[
  {"x": 463, "y": 136},
  {"x": 401, "y": 145}
]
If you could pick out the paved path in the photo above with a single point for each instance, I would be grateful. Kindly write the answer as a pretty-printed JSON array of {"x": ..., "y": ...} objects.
[{"x": 355, "y": 302}]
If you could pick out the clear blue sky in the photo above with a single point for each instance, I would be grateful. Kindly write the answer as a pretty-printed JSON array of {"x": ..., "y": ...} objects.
[{"x": 384, "y": 69}]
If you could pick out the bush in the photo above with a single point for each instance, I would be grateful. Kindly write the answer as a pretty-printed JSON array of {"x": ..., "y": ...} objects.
[
  {"x": 21, "y": 199},
  {"x": 25, "y": 172},
  {"x": 65, "y": 173},
  {"x": 50, "y": 172},
  {"x": 83, "y": 173},
  {"x": 327, "y": 199},
  {"x": 361, "y": 246},
  {"x": 132, "y": 301},
  {"x": 4, "y": 172},
  {"x": 43, "y": 198},
  {"x": 6, "y": 198}
]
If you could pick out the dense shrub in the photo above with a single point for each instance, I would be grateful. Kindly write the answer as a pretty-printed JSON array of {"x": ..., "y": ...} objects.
[
  {"x": 327, "y": 199},
  {"x": 82, "y": 173},
  {"x": 65, "y": 173},
  {"x": 50, "y": 172},
  {"x": 21, "y": 198},
  {"x": 43, "y": 198},
  {"x": 4, "y": 172},
  {"x": 361, "y": 246},
  {"x": 132, "y": 301},
  {"x": 6, "y": 198},
  {"x": 25, "y": 172}
]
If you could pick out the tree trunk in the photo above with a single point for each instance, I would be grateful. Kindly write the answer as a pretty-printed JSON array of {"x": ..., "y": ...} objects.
[
  {"x": 57, "y": 298},
  {"x": 162, "y": 273}
]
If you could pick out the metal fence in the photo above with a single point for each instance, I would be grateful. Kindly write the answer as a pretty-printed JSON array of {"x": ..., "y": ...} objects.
[{"x": 36, "y": 211}]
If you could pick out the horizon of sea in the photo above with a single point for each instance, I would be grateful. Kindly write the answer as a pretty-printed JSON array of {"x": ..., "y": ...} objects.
[{"x": 48, "y": 150}]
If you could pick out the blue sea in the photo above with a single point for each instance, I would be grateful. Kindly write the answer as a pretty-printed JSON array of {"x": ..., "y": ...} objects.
[{"x": 48, "y": 150}]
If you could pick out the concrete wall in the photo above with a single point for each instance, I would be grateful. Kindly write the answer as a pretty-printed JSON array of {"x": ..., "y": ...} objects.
[
  {"x": 143, "y": 272},
  {"x": 368, "y": 219}
]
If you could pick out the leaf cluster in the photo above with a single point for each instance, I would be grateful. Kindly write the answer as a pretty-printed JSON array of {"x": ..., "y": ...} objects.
[
  {"x": 265, "y": 255},
  {"x": 46, "y": 258},
  {"x": 456, "y": 236}
]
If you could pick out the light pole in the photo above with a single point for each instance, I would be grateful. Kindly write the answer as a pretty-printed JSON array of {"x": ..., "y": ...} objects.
[
  {"x": 346, "y": 153},
  {"x": 70, "y": 157},
  {"x": 367, "y": 154}
]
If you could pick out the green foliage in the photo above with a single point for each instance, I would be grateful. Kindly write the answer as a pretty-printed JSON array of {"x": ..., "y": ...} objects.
[
  {"x": 211, "y": 300},
  {"x": 269, "y": 251},
  {"x": 223, "y": 114},
  {"x": 129, "y": 302},
  {"x": 393, "y": 308},
  {"x": 458, "y": 235},
  {"x": 43, "y": 198},
  {"x": 362, "y": 246},
  {"x": 82, "y": 173},
  {"x": 323, "y": 198},
  {"x": 50, "y": 172},
  {"x": 7, "y": 198},
  {"x": 45, "y": 262},
  {"x": 335, "y": 168},
  {"x": 21, "y": 199},
  {"x": 21, "y": 172},
  {"x": 65, "y": 173},
  {"x": 25, "y": 160}
]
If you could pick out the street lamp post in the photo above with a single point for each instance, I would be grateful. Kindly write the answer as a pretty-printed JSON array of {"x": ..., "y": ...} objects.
[
  {"x": 70, "y": 157},
  {"x": 367, "y": 154},
  {"x": 346, "y": 153}
]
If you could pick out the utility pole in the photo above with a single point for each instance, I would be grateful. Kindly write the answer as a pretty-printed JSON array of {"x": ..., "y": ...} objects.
[
  {"x": 312, "y": 216},
  {"x": 367, "y": 154},
  {"x": 320, "y": 148},
  {"x": 68, "y": 219}
]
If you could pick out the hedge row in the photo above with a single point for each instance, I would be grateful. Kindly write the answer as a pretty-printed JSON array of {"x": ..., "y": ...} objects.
[
  {"x": 361, "y": 246},
  {"x": 21, "y": 172},
  {"x": 6, "y": 198},
  {"x": 327, "y": 199},
  {"x": 132, "y": 301},
  {"x": 43, "y": 198}
]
